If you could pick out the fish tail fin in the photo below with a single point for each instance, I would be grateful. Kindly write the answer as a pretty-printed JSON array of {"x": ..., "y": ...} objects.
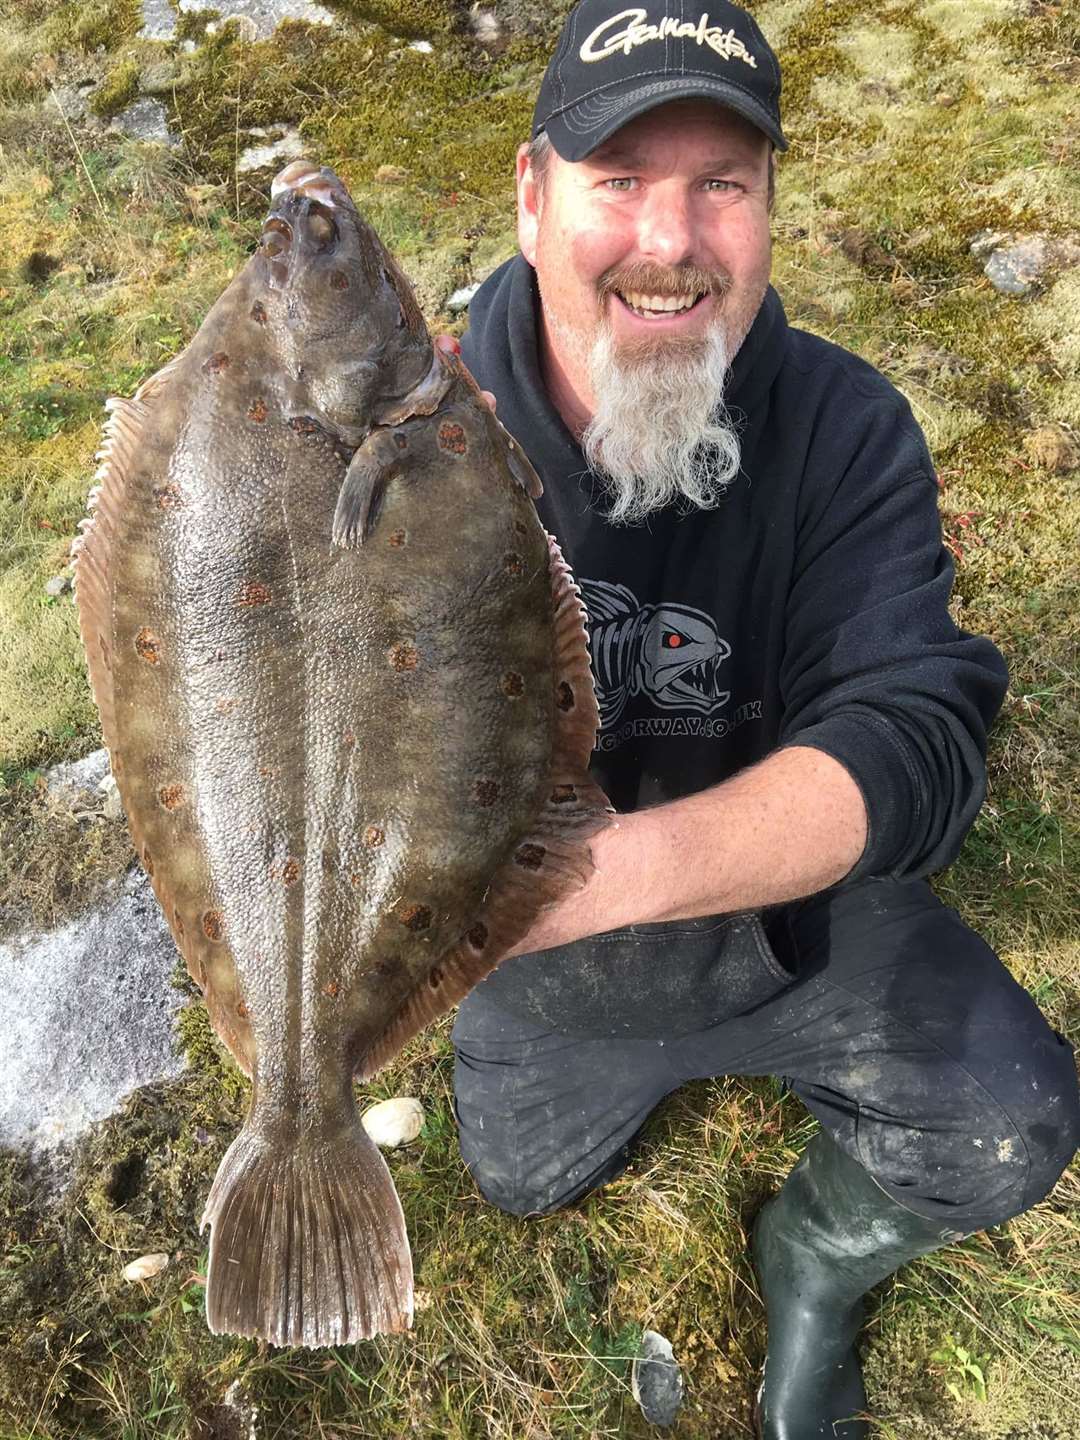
[{"x": 307, "y": 1246}]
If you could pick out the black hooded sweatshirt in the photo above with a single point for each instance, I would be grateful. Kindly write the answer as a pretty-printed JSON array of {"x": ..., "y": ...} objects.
[{"x": 810, "y": 607}]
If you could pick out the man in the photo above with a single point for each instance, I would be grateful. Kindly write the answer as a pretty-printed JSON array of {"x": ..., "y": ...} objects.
[{"x": 794, "y": 730}]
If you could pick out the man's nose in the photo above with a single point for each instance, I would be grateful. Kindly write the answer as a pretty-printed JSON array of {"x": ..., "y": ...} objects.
[{"x": 665, "y": 227}]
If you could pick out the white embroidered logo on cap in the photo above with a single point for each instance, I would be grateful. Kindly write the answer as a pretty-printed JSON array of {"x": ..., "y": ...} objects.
[{"x": 639, "y": 32}]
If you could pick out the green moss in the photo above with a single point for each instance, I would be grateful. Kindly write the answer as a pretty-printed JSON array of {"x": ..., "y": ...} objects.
[
  {"x": 409, "y": 19},
  {"x": 119, "y": 88},
  {"x": 92, "y": 23}
]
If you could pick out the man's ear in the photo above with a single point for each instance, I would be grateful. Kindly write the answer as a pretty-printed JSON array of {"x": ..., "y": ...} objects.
[{"x": 528, "y": 205}]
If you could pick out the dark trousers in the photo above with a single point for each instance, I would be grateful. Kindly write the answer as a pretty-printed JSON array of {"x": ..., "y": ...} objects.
[{"x": 902, "y": 1032}]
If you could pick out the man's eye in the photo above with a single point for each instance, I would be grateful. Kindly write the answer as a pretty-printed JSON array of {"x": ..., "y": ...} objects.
[
  {"x": 719, "y": 186},
  {"x": 620, "y": 182}
]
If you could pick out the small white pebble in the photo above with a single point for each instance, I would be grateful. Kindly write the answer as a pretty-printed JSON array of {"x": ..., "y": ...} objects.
[
  {"x": 394, "y": 1122},
  {"x": 145, "y": 1267}
]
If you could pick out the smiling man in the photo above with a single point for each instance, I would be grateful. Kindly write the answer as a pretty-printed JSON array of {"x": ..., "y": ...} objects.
[{"x": 794, "y": 730}]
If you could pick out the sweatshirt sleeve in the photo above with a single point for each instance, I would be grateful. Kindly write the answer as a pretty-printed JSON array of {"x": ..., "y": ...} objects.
[{"x": 875, "y": 671}]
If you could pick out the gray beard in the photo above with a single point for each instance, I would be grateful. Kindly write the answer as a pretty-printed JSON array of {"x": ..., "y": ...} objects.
[{"x": 660, "y": 431}]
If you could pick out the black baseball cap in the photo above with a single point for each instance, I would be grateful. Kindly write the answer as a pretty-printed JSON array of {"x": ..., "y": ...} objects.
[{"x": 614, "y": 61}]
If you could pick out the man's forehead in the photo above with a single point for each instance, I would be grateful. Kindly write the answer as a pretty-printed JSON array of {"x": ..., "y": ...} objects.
[{"x": 727, "y": 136}]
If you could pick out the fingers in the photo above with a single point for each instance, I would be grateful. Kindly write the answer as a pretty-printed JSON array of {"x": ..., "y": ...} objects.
[{"x": 451, "y": 345}]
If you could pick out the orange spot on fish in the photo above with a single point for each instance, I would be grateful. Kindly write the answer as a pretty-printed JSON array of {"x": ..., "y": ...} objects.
[
  {"x": 563, "y": 795},
  {"x": 213, "y": 924},
  {"x": 403, "y": 656},
  {"x": 348, "y": 739},
  {"x": 217, "y": 363},
  {"x": 400, "y": 440},
  {"x": 224, "y": 703},
  {"x": 398, "y": 538},
  {"x": 331, "y": 988},
  {"x": 477, "y": 936},
  {"x": 513, "y": 564},
  {"x": 564, "y": 696},
  {"x": 253, "y": 592},
  {"x": 148, "y": 646},
  {"x": 435, "y": 979},
  {"x": 171, "y": 797},
  {"x": 258, "y": 313},
  {"x": 168, "y": 496},
  {"x": 291, "y": 871},
  {"x": 374, "y": 837},
  {"x": 258, "y": 410},
  {"x": 339, "y": 280},
  {"x": 242, "y": 1010},
  {"x": 512, "y": 685},
  {"x": 486, "y": 792},
  {"x": 303, "y": 425},
  {"x": 415, "y": 917},
  {"x": 530, "y": 857},
  {"x": 452, "y": 438},
  {"x": 267, "y": 772}
]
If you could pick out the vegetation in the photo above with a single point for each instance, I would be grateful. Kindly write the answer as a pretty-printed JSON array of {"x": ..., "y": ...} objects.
[{"x": 914, "y": 125}]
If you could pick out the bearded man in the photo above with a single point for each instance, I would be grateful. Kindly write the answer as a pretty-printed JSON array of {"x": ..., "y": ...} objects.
[{"x": 794, "y": 730}]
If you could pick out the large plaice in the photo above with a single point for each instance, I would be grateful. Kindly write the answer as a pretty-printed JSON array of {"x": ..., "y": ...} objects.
[{"x": 343, "y": 677}]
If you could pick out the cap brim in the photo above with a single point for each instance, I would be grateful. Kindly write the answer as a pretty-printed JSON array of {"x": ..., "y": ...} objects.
[{"x": 577, "y": 131}]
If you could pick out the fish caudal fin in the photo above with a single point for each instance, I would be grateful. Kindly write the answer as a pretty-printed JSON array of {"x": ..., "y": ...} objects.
[{"x": 307, "y": 1246}]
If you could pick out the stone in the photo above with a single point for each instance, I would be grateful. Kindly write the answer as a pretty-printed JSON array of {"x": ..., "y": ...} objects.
[
  {"x": 159, "y": 20},
  {"x": 145, "y": 1268},
  {"x": 485, "y": 27},
  {"x": 1052, "y": 448},
  {"x": 1017, "y": 264},
  {"x": 57, "y": 586},
  {"x": 76, "y": 775},
  {"x": 461, "y": 299},
  {"x": 422, "y": 47},
  {"x": 258, "y": 18},
  {"x": 288, "y": 146},
  {"x": 394, "y": 1122},
  {"x": 656, "y": 1382},
  {"x": 1017, "y": 268},
  {"x": 87, "y": 1015},
  {"x": 161, "y": 79},
  {"x": 145, "y": 120},
  {"x": 113, "y": 807}
]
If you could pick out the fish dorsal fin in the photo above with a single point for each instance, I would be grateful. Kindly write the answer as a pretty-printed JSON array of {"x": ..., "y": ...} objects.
[
  {"x": 112, "y": 497},
  {"x": 547, "y": 864}
]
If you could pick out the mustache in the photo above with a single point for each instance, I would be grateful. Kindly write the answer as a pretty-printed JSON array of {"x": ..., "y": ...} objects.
[{"x": 644, "y": 277}]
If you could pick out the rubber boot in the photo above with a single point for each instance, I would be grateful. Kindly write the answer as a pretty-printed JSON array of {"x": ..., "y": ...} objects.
[{"x": 829, "y": 1236}]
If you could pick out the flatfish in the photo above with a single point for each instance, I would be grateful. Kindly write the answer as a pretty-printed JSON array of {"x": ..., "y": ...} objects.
[{"x": 343, "y": 678}]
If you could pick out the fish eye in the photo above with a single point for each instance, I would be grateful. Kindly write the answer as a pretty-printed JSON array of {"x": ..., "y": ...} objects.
[
  {"x": 276, "y": 235},
  {"x": 321, "y": 228}
]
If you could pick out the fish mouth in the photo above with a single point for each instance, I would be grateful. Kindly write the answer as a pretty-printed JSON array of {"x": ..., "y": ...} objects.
[{"x": 313, "y": 182}]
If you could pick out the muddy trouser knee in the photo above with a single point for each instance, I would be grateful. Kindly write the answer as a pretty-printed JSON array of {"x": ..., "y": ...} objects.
[{"x": 902, "y": 1032}]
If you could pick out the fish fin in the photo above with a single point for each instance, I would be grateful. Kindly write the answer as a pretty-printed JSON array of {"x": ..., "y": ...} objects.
[
  {"x": 307, "y": 1245},
  {"x": 546, "y": 864},
  {"x": 520, "y": 467},
  {"x": 371, "y": 469},
  {"x": 111, "y": 500}
]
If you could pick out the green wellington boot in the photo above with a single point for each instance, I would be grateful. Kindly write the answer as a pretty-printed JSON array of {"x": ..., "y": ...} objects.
[{"x": 829, "y": 1236}]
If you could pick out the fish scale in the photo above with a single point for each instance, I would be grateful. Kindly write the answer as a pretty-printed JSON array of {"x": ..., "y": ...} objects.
[{"x": 343, "y": 677}]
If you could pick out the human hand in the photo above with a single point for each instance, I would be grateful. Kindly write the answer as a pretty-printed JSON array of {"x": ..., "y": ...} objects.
[{"x": 450, "y": 345}]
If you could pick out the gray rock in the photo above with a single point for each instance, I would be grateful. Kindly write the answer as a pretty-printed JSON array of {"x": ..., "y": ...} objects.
[
  {"x": 461, "y": 299},
  {"x": 159, "y": 20},
  {"x": 86, "y": 1012},
  {"x": 264, "y": 15},
  {"x": 655, "y": 1380},
  {"x": 287, "y": 146},
  {"x": 57, "y": 586},
  {"x": 485, "y": 26},
  {"x": 161, "y": 79},
  {"x": 85, "y": 774},
  {"x": 145, "y": 120},
  {"x": 71, "y": 99},
  {"x": 985, "y": 241},
  {"x": 1017, "y": 268}
]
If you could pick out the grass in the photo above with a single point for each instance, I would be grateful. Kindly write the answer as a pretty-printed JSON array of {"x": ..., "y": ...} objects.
[{"x": 914, "y": 124}]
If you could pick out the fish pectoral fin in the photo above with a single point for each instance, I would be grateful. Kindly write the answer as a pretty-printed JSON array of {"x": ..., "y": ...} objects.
[{"x": 370, "y": 470}]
